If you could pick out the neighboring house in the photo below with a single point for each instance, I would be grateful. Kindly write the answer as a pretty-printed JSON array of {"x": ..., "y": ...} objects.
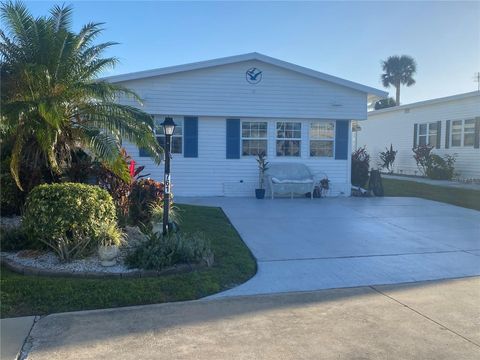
[
  {"x": 450, "y": 124},
  {"x": 229, "y": 109}
]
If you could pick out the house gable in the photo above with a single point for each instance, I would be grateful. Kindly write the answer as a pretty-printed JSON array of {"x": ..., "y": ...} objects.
[{"x": 223, "y": 90}]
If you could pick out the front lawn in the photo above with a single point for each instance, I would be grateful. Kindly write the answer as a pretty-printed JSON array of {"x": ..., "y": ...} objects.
[
  {"x": 234, "y": 264},
  {"x": 461, "y": 197}
]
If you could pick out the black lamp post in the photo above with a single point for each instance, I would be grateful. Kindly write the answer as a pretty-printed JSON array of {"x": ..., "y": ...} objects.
[{"x": 168, "y": 129}]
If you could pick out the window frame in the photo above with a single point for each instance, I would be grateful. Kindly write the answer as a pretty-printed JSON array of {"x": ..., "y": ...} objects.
[
  {"x": 332, "y": 140},
  {"x": 158, "y": 132},
  {"x": 253, "y": 138},
  {"x": 427, "y": 134},
  {"x": 461, "y": 132},
  {"x": 299, "y": 139}
]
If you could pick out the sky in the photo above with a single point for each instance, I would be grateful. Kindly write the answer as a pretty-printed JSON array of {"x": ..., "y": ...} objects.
[{"x": 345, "y": 39}]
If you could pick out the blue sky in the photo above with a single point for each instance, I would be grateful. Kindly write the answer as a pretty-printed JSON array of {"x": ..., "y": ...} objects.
[{"x": 345, "y": 39}]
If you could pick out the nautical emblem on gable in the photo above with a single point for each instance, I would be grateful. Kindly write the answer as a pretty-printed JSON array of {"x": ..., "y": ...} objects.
[{"x": 253, "y": 75}]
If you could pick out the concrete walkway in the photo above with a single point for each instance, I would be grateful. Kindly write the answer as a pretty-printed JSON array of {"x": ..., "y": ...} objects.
[
  {"x": 445, "y": 183},
  {"x": 305, "y": 245},
  {"x": 13, "y": 332},
  {"x": 431, "y": 320}
]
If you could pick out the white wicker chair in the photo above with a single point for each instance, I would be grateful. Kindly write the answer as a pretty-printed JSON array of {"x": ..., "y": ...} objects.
[{"x": 290, "y": 178}]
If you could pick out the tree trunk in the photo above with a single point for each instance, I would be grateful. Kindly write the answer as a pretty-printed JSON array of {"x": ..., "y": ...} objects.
[{"x": 397, "y": 95}]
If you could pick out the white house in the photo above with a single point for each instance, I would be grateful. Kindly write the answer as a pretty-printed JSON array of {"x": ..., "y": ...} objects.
[
  {"x": 229, "y": 109},
  {"x": 450, "y": 124}
]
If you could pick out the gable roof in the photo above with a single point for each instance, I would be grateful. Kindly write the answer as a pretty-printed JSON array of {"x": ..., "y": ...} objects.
[
  {"x": 425, "y": 103},
  {"x": 372, "y": 92}
]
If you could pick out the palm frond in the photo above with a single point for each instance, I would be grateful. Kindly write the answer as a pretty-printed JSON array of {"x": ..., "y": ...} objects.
[
  {"x": 97, "y": 66},
  {"x": 51, "y": 100},
  {"x": 93, "y": 52},
  {"x": 16, "y": 156},
  {"x": 87, "y": 34},
  {"x": 62, "y": 16},
  {"x": 104, "y": 146},
  {"x": 18, "y": 19}
]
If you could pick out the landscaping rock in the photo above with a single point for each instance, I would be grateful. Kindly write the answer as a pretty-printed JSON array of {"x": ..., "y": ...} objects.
[
  {"x": 48, "y": 261},
  {"x": 133, "y": 238}
]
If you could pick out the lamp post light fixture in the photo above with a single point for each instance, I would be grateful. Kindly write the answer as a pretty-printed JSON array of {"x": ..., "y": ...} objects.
[{"x": 168, "y": 129}]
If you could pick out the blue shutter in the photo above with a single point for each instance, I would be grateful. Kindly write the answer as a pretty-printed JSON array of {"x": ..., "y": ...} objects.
[
  {"x": 190, "y": 135},
  {"x": 476, "y": 141},
  {"x": 143, "y": 152},
  {"x": 447, "y": 134},
  {"x": 341, "y": 139},
  {"x": 415, "y": 132},
  {"x": 439, "y": 134},
  {"x": 233, "y": 138}
]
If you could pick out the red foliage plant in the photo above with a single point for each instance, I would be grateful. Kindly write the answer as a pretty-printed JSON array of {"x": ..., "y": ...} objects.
[
  {"x": 422, "y": 155},
  {"x": 144, "y": 193},
  {"x": 118, "y": 188}
]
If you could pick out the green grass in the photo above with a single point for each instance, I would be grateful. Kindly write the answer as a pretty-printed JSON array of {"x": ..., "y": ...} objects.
[
  {"x": 461, "y": 197},
  {"x": 234, "y": 264}
]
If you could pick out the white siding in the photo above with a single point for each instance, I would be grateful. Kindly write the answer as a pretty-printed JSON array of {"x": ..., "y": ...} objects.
[
  {"x": 224, "y": 91},
  {"x": 211, "y": 174},
  {"x": 396, "y": 127},
  {"x": 216, "y": 93}
]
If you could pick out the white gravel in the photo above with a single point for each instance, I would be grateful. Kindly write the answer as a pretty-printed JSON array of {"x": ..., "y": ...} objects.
[{"x": 49, "y": 261}]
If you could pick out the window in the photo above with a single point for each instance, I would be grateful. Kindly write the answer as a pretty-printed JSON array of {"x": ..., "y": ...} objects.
[
  {"x": 469, "y": 132},
  {"x": 432, "y": 134},
  {"x": 456, "y": 133},
  {"x": 289, "y": 136},
  {"x": 254, "y": 138},
  {"x": 427, "y": 134},
  {"x": 322, "y": 135},
  {"x": 177, "y": 141},
  {"x": 463, "y": 133},
  {"x": 422, "y": 134}
]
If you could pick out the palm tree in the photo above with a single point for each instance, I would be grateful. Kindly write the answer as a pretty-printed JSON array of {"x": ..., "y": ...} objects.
[
  {"x": 398, "y": 70},
  {"x": 51, "y": 99}
]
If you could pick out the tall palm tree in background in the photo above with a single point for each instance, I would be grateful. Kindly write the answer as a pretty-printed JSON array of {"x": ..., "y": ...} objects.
[
  {"x": 398, "y": 70},
  {"x": 52, "y": 102}
]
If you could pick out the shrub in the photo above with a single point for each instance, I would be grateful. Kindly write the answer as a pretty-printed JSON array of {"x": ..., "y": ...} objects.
[
  {"x": 385, "y": 103},
  {"x": 388, "y": 158},
  {"x": 69, "y": 218},
  {"x": 145, "y": 192},
  {"x": 360, "y": 167},
  {"x": 440, "y": 168},
  {"x": 13, "y": 238},
  {"x": 422, "y": 154},
  {"x": 161, "y": 251},
  {"x": 433, "y": 165}
]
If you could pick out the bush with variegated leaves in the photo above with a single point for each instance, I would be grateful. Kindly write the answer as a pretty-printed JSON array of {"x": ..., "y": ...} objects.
[{"x": 69, "y": 218}]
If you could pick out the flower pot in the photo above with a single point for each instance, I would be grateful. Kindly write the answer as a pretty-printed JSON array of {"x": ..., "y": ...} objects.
[
  {"x": 157, "y": 227},
  {"x": 259, "y": 193},
  {"x": 108, "y": 254}
]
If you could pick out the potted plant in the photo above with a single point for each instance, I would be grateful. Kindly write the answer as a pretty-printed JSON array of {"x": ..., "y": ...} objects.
[
  {"x": 156, "y": 212},
  {"x": 324, "y": 185},
  {"x": 262, "y": 167},
  {"x": 108, "y": 249}
]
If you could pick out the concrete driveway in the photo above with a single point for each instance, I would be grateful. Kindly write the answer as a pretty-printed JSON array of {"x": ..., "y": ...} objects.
[
  {"x": 431, "y": 320},
  {"x": 305, "y": 245}
]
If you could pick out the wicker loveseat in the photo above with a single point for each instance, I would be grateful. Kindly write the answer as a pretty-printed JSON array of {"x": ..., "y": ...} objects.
[{"x": 289, "y": 178}]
